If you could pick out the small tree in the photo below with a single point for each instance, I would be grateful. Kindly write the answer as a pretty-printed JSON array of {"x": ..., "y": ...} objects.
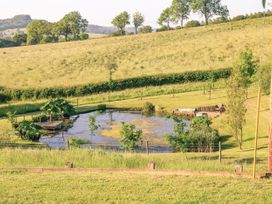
[
  {"x": 165, "y": 18},
  {"x": 120, "y": 21},
  {"x": 180, "y": 10},
  {"x": 138, "y": 20},
  {"x": 236, "y": 108},
  {"x": 92, "y": 124},
  {"x": 130, "y": 137},
  {"x": 148, "y": 108},
  {"x": 11, "y": 116}
]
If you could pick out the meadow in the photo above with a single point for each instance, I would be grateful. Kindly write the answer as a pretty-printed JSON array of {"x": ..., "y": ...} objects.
[
  {"x": 77, "y": 63},
  {"x": 129, "y": 188}
]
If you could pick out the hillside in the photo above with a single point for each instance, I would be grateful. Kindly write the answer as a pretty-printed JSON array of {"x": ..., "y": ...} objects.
[
  {"x": 81, "y": 62},
  {"x": 19, "y": 21}
]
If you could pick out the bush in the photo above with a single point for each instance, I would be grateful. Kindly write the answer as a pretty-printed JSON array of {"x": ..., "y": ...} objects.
[
  {"x": 84, "y": 36},
  {"x": 146, "y": 29},
  {"x": 192, "y": 23},
  {"x": 29, "y": 131},
  {"x": 163, "y": 28},
  {"x": 118, "y": 33},
  {"x": 200, "y": 138},
  {"x": 40, "y": 118},
  {"x": 4, "y": 98},
  {"x": 148, "y": 108},
  {"x": 75, "y": 142},
  {"x": 116, "y": 85},
  {"x": 102, "y": 107},
  {"x": 130, "y": 137}
]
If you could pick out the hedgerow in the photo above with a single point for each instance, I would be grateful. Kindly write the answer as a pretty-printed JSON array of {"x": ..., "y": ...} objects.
[{"x": 116, "y": 85}]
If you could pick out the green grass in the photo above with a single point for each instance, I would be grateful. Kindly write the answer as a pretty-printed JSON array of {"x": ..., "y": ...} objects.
[
  {"x": 74, "y": 63},
  {"x": 129, "y": 188}
]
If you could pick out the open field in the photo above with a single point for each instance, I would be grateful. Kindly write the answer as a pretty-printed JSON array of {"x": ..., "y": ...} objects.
[
  {"x": 128, "y": 188},
  {"x": 74, "y": 63}
]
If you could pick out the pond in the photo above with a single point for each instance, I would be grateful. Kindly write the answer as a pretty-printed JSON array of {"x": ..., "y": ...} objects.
[{"x": 155, "y": 128}]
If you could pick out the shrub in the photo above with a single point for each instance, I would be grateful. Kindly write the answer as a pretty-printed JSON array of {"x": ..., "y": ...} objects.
[
  {"x": 84, "y": 36},
  {"x": 200, "y": 138},
  {"x": 102, "y": 107},
  {"x": 29, "y": 131},
  {"x": 146, "y": 29},
  {"x": 75, "y": 142},
  {"x": 116, "y": 85},
  {"x": 40, "y": 118},
  {"x": 192, "y": 23},
  {"x": 163, "y": 28},
  {"x": 148, "y": 108},
  {"x": 4, "y": 98},
  {"x": 130, "y": 137}
]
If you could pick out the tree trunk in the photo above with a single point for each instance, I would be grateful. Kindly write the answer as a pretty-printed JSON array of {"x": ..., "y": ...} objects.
[
  {"x": 136, "y": 30},
  {"x": 270, "y": 133},
  {"x": 206, "y": 19},
  {"x": 181, "y": 22}
]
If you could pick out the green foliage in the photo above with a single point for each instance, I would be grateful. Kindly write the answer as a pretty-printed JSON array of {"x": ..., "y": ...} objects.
[
  {"x": 209, "y": 8},
  {"x": 20, "y": 39},
  {"x": 148, "y": 108},
  {"x": 102, "y": 107},
  {"x": 40, "y": 118},
  {"x": 263, "y": 77},
  {"x": 11, "y": 116},
  {"x": 29, "y": 131},
  {"x": 75, "y": 142},
  {"x": 92, "y": 124},
  {"x": 192, "y": 23},
  {"x": 235, "y": 106},
  {"x": 57, "y": 108},
  {"x": 84, "y": 36},
  {"x": 130, "y": 137},
  {"x": 180, "y": 10},
  {"x": 162, "y": 28},
  {"x": 116, "y": 85},
  {"x": 36, "y": 30},
  {"x": 4, "y": 98},
  {"x": 72, "y": 24},
  {"x": 138, "y": 20},
  {"x": 165, "y": 17},
  {"x": 200, "y": 138},
  {"x": 6, "y": 43},
  {"x": 248, "y": 66},
  {"x": 121, "y": 20},
  {"x": 146, "y": 29}
]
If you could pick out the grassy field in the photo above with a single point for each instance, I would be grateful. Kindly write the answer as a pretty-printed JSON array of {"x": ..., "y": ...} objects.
[
  {"x": 73, "y": 63},
  {"x": 128, "y": 188}
]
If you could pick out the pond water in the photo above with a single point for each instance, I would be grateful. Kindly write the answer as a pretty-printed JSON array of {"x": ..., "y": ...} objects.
[{"x": 155, "y": 128}]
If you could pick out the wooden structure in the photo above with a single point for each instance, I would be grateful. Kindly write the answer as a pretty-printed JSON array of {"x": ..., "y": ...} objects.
[{"x": 54, "y": 125}]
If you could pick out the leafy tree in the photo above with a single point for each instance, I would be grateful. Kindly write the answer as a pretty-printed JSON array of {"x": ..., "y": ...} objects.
[
  {"x": 130, "y": 137},
  {"x": 72, "y": 24},
  {"x": 263, "y": 77},
  {"x": 138, "y": 20},
  {"x": 180, "y": 10},
  {"x": 209, "y": 8},
  {"x": 20, "y": 39},
  {"x": 11, "y": 116},
  {"x": 165, "y": 17},
  {"x": 148, "y": 108},
  {"x": 120, "y": 21},
  {"x": 58, "y": 107},
  {"x": 200, "y": 123},
  {"x": 36, "y": 30},
  {"x": 248, "y": 66},
  {"x": 235, "y": 106},
  {"x": 146, "y": 29},
  {"x": 111, "y": 65}
]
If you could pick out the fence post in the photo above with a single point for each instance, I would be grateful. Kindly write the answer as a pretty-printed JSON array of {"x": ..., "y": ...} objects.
[
  {"x": 147, "y": 147},
  {"x": 220, "y": 152}
]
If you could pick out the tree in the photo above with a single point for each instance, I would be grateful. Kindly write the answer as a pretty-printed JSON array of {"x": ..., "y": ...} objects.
[
  {"x": 165, "y": 17},
  {"x": 146, "y": 29},
  {"x": 92, "y": 124},
  {"x": 20, "y": 39},
  {"x": 209, "y": 8},
  {"x": 72, "y": 24},
  {"x": 57, "y": 108},
  {"x": 120, "y": 21},
  {"x": 180, "y": 10},
  {"x": 138, "y": 20},
  {"x": 235, "y": 106},
  {"x": 36, "y": 30},
  {"x": 130, "y": 137}
]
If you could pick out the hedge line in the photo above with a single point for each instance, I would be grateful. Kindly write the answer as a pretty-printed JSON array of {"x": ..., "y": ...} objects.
[{"x": 116, "y": 85}]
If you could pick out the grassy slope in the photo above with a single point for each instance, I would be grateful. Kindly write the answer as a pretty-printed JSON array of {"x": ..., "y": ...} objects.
[
  {"x": 65, "y": 64},
  {"x": 127, "y": 188}
]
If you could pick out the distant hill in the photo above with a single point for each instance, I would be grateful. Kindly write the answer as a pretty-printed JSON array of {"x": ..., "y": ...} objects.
[
  {"x": 105, "y": 29},
  {"x": 17, "y": 22}
]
